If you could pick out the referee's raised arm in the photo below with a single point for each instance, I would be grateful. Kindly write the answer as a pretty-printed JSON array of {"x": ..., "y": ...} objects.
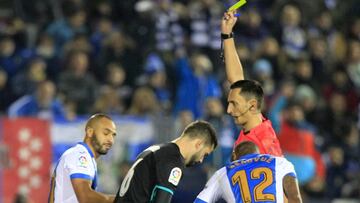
[{"x": 234, "y": 69}]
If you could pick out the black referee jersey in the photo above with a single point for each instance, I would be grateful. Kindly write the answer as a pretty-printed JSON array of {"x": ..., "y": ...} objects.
[{"x": 157, "y": 170}]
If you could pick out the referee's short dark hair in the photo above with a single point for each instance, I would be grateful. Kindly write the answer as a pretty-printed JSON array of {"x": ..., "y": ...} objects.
[
  {"x": 204, "y": 129},
  {"x": 250, "y": 89}
]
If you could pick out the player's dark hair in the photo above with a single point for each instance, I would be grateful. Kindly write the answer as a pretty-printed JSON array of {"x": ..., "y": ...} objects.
[
  {"x": 203, "y": 129},
  {"x": 95, "y": 118},
  {"x": 250, "y": 89},
  {"x": 245, "y": 148}
]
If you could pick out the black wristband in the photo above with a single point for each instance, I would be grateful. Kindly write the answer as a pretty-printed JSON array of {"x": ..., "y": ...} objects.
[{"x": 227, "y": 36}]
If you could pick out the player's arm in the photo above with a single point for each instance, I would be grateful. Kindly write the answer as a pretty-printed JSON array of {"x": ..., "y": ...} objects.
[
  {"x": 234, "y": 69},
  {"x": 291, "y": 189},
  {"x": 169, "y": 169},
  {"x": 212, "y": 191},
  {"x": 85, "y": 194},
  {"x": 166, "y": 185},
  {"x": 162, "y": 195}
]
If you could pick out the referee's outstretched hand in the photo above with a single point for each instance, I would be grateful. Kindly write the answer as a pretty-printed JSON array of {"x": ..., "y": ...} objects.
[{"x": 228, "y": 22}]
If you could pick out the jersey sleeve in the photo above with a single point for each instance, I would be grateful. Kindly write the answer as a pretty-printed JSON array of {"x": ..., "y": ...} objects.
[
  {"x": 80, "y": 165},
  {"x": 169, "y": 171},
  {"x": 285, "y": 167},
  {"x": 212, "y": 191}
]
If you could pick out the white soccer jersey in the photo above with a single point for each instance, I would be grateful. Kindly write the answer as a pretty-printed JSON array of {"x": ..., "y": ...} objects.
[
  {"x": 253, "y": 178},
  {"x": 76, "y": 162}
]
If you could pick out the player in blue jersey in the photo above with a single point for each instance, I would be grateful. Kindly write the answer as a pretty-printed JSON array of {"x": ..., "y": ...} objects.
[{"x": 252, "y": 177}]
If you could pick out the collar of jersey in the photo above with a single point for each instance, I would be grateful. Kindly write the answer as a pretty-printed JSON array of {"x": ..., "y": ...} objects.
[
  {"x": 264, "y": 125},
  {"x": 87, "y": 147},
  {"x": 248, "y": 156},
  {"x": 178, "y": 150}
]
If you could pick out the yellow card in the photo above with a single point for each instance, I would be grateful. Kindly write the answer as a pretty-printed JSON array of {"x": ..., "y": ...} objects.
[{"x": 237, "y": 5}]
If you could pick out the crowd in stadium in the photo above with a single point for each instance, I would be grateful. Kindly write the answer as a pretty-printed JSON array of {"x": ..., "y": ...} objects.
[{"x": 160, "y": 59}]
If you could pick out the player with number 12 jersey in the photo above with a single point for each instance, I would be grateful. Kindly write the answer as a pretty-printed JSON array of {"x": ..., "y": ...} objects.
[{"x": 252, "y": 178}]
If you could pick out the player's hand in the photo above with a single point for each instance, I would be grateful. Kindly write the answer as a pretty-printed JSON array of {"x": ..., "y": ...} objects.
[{"x": 228, "y": 22}]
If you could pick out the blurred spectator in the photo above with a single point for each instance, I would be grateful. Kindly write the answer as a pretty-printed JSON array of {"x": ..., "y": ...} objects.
[
  {"x": 297, "y": 138},
  {"x": 108, "y": 102},
  {"x": 224, "y": 125},
  {"x": 340, "y": 83},
  {"x": 184, "y": 118},
  {"x": 37, "y": 12},
  {"x": 42, "y": 104},
  {"x": 156, "y": 78},
  {"x": 303, "y": 74},
  {"x": 144, "y": 102},
  {"x": 343, "y": 165},
  {"x": 332, "y": 116},
  {"x": 335, "y": 175},
  {"x": 195, "y": 76},
  {"x": 292, "y": 36},
  {"x": 79, "y": 43},
  {"x": 269, "y": 50},
  {"x": 298, "y": 143},
  {"x": 307, "y": 98},
  {"x": 169, "y": 34},
  {"x": 15, "y": 28},
  {"x": 26, "y": 81},
  {"x": 6, "y": 95},
  {"x": 205, "y": 22},
  {"x": 354, "y": 32},
  {"x": 63, "y": 30},
  {"x": 115, "y": 79},
  {"x": 319, "y": 58},
  {"x": 333, "y": 41},
  {"x": 8, "y": 58},
  {"x": 279, "y": 101},
  {"x": 247, "y": 59},
  {"x": 119, "y": 48},
  {"x": 251, "y": 29},
  {"x": 76, "y": 85},
  {"x": 100, "y": 9},
  {"x": 204, "y": 28},
  {"x": 262, "y": 72},
  {"x": 102, "y": 29},
  {"x": 45, "y": 48},
  {"x": 353, "y": 65},
  {"x": 323, "y": 25}
]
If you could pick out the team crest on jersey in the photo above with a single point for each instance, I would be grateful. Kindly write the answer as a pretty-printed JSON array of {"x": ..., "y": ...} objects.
[
  {"x": 175, "y": 176},
  {"x": 83, "y": 162}
]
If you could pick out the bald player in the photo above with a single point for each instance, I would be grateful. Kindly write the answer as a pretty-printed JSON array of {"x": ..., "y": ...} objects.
[
  {"x": 75, "y": 175},
  {"x": 252, "y": 177}
]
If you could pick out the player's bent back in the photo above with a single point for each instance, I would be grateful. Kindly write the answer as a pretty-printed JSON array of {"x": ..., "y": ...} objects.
[{"x": 252, "y": 178}]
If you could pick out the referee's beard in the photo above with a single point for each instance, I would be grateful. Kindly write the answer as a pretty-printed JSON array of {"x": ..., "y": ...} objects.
[{"x": 99, "y": 148}]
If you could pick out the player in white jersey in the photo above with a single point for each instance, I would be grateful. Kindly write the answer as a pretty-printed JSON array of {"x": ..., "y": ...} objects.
[
  {"x": 75, "y": 175},
  {"x": 253, "y": 177}
]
